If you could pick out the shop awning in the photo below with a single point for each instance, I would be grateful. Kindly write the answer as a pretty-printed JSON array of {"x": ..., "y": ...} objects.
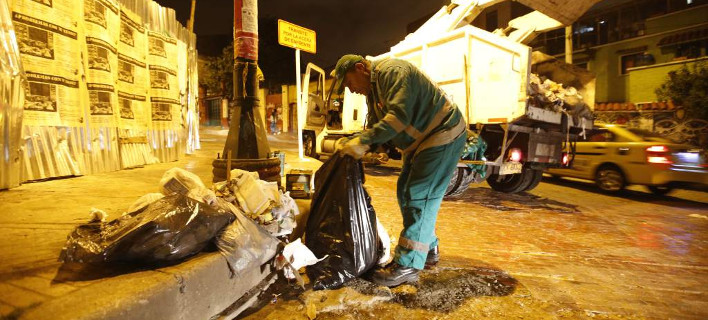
[{"x": 683, "y": 37}]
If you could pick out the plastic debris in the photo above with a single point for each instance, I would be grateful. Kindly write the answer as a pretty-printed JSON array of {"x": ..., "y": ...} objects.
[
  {"x": 145, "y": 200},
  {"x": 97, "y": 215},
  {"x": 295, "y": 256},
  {"x": 180, "y": 181},
  {"x": 259, "y": 200},
  {"x": 385, "y": 242},
  {"x": 244, "y": 244}
]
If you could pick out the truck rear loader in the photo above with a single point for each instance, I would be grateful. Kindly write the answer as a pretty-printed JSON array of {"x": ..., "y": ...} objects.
[{"x": 524, "y": 109}]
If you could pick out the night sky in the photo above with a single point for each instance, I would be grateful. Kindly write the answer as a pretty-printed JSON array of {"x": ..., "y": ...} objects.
[{"x": 363, "y": 26}]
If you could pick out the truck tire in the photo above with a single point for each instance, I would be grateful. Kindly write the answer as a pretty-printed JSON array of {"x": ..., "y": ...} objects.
[
  {"x": 308, "y": 144},
  {"x": 460, "y": 182},
  {"x": 537, "y": 177},
  {"x": 512, "y": 183}
]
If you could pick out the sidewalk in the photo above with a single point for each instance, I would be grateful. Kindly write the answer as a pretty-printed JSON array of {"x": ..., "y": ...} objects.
[{"x": 37, "y": 217}]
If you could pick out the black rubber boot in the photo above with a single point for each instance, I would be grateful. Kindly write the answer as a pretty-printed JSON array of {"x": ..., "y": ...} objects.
[
  {"x": 395, "y": 274},
  {"x": 433, "y": 257}
]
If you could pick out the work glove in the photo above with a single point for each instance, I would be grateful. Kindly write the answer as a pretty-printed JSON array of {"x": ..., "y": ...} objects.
[{"x": 355, "y": 148}]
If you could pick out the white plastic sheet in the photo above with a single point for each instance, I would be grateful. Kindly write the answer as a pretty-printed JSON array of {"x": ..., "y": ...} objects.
[{"x": 12, "y": 81}]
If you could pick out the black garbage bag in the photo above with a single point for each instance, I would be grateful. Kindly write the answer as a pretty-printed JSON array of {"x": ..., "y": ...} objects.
[
  {"x": 167, "y": 230},
  {"x": 342, "y": 224}
]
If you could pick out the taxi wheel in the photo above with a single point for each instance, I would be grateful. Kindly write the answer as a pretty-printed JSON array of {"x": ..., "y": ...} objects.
[
  {"x": 609, "y": 178},
  {"x": 660, "y": 190}
]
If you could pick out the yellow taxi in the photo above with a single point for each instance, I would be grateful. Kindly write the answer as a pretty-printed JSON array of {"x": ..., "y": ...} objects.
[{"x": 615, "y": 156}]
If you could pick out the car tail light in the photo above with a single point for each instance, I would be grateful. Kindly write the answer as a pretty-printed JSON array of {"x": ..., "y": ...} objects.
[
  {"x": 565, "y": 160},
  {"x": 515, "y": 154},
  {"x": 659, "y": 155},
  {"x": 660, "y": 149}
]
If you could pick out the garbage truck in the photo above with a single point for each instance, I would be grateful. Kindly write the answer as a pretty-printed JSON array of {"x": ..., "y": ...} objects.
[{"x": 525, "y": 110}]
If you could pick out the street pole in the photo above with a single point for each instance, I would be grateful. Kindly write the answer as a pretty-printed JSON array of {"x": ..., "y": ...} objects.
[
  {"x": 300, "y": 112},
  {"x": 569, "y": 44},
  {"x": 190, "y": 23},
  {"x": 246, "y": 145}
]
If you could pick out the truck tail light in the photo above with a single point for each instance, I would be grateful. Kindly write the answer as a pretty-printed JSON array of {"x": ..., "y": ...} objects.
[
  {"x": 515, "y": 154},
  {"x": 658, "y": 155},
  {"x": 565, "y": 160}
]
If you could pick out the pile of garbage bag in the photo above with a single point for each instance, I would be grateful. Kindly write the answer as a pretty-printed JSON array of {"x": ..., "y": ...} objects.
[
  {"x": 244, "y": 217},
  {"x": 172, "y": 225}
]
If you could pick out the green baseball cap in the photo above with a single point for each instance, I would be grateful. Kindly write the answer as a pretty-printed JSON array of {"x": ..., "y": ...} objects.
[{"x": 345, "y": 63}]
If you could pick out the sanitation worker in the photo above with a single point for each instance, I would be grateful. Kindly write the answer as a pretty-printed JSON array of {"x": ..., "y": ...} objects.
[{"x": 406, "y": 108}]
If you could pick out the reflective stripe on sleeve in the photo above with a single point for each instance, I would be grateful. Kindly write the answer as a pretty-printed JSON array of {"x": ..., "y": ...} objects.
[{"x": 393, "y": 121}]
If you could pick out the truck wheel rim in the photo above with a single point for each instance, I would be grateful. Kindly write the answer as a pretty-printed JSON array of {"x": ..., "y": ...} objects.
[
  {"x": 610, "y": 180},
  {"x": 308, "y": 145}
]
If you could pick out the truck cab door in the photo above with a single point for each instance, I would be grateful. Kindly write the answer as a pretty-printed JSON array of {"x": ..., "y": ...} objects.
[{"x": 313, "y": 98}]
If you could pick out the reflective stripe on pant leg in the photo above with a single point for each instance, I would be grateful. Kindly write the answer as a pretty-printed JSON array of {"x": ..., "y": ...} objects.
[{"x": 430, "y": 173}]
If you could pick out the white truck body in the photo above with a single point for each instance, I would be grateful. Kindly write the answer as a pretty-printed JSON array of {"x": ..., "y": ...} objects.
[
  {"x": 487, "y": 74},
  {"x": 484, "y": 74}
]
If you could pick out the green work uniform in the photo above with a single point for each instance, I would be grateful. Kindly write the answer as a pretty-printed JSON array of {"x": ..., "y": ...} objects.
[{"x": 408, "y": 109}]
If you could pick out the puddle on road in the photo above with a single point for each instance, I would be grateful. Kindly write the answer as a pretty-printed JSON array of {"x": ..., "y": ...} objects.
[
  {"x": 446, "y": 289},
  {"x": 512, "y": 202},
  {"x": 439, "y": 290}
]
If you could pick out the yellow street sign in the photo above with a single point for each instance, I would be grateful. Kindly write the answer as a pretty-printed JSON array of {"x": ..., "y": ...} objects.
[{"x": 297, "y": 37}]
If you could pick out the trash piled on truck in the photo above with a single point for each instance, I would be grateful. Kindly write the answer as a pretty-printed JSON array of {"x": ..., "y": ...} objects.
[{"x": 549, "y": 95}]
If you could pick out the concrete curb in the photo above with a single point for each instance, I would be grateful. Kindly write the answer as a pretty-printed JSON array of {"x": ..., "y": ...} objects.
[{"x": 200, "y": 288}]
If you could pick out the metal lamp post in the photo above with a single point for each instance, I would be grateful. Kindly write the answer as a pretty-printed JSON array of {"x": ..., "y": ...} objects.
[{"x": 246, "y": 145}]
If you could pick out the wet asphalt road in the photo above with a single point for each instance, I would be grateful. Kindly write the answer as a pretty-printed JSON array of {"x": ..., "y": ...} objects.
[{"x": 562, "y": 250}]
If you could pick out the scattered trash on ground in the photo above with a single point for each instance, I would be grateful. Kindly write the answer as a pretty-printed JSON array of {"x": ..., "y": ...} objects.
[{"x": 295, "y": 256}]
